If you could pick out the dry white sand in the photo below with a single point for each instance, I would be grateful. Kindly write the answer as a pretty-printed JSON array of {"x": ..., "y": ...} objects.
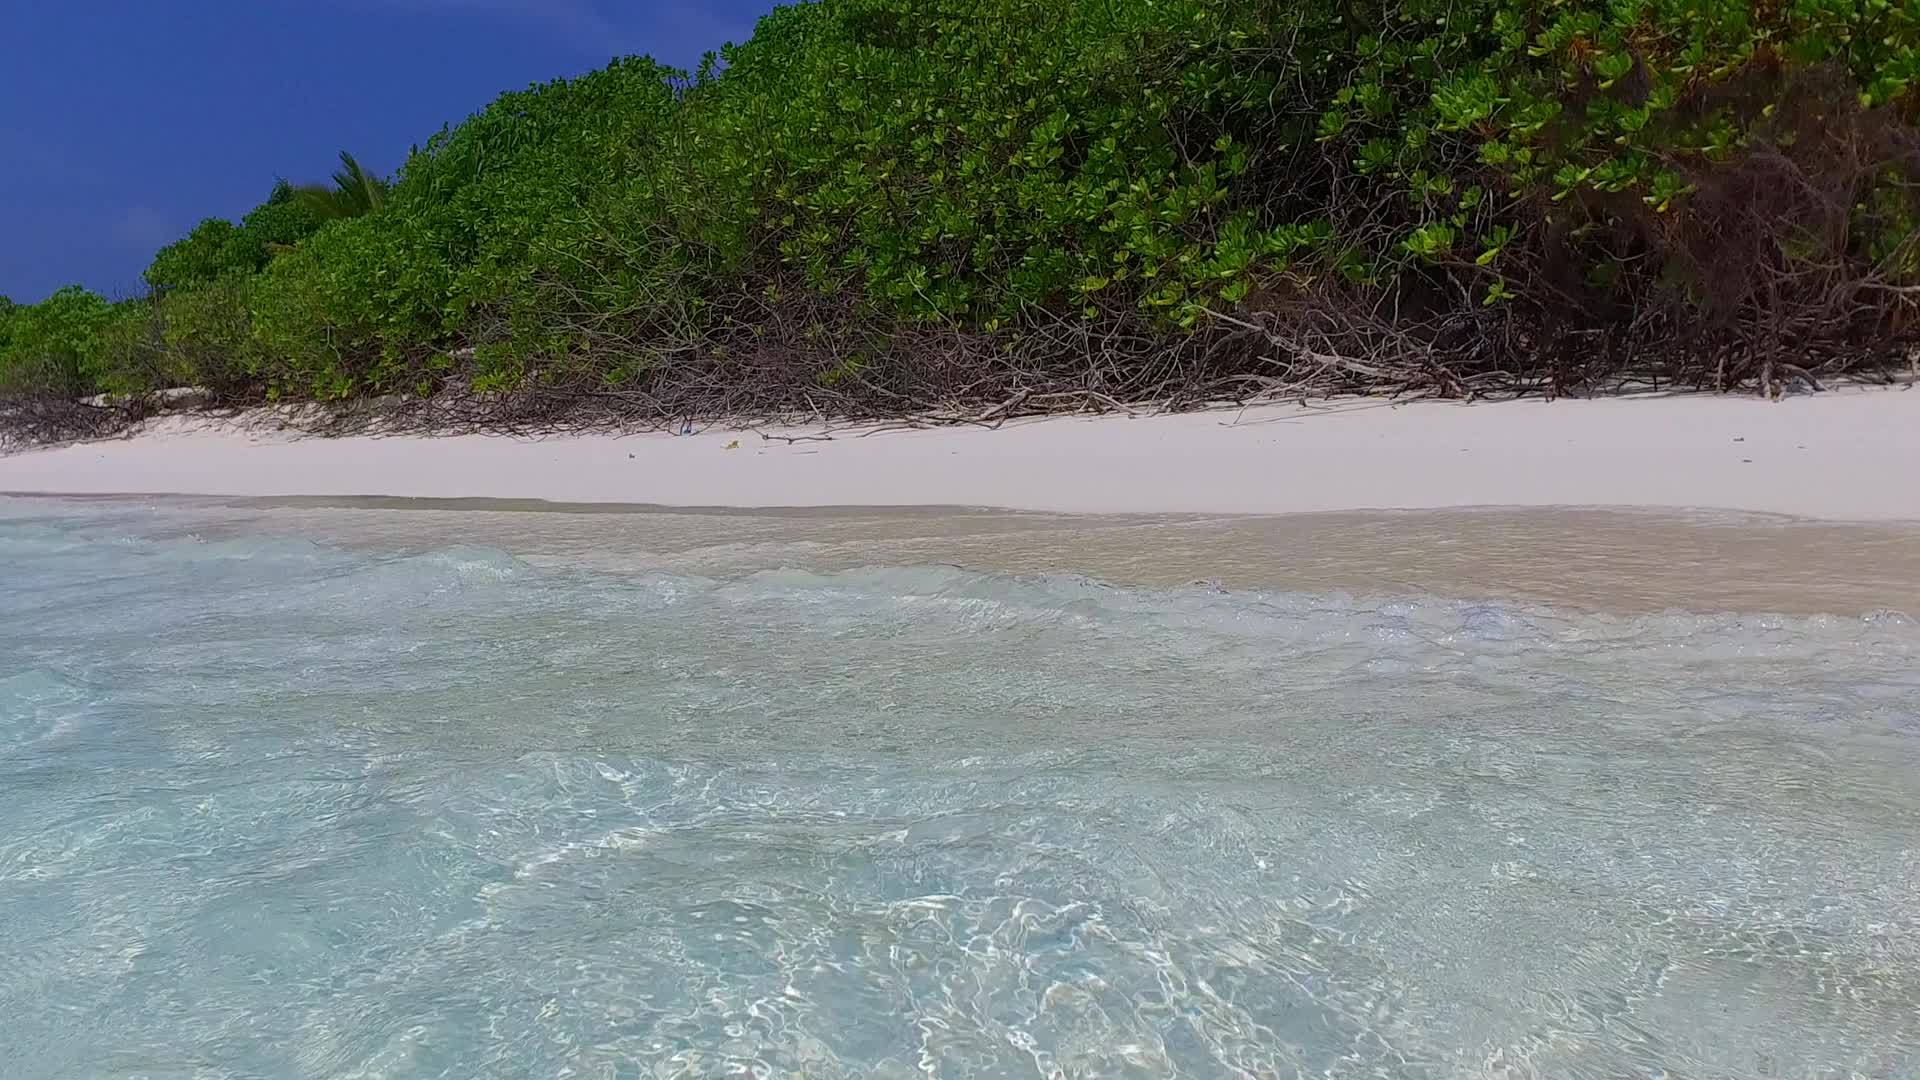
[{"x": 1843, "y": 455}]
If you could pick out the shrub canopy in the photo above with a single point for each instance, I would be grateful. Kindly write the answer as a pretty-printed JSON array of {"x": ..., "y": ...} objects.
[{"x": 905, "y": 204}]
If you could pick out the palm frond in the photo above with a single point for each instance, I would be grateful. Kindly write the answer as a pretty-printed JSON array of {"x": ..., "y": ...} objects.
[
  {"x": 359, "y": 189},
  {"x": 354, "y": 191}
]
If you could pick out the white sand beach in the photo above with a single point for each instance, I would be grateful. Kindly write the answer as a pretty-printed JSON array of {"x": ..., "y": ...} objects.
[{"x": 1848, "y": 455}]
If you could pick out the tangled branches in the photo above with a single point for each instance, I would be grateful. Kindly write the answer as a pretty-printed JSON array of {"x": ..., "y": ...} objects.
[
  {"x": 1790, "y": 260},
  {"x": 41, "y": 420}
]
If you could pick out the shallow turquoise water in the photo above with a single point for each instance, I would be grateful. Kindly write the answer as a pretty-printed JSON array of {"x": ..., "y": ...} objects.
[{"x": 269, "y": 809}]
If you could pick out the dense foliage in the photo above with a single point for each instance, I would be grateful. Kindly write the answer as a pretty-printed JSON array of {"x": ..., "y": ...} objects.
[
  {"x": 217, "y": 248},
  {"x": 50, "y": 347},
  {"x": 887, "y": 205}
]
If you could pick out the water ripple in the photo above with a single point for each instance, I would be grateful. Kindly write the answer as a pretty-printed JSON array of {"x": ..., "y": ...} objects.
[{"x": 275, "y": 809}]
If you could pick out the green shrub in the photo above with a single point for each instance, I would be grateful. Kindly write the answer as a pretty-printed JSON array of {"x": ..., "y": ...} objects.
[
  {"x": 280, "y": 222},
  {"x": 521, "y": 196},
  {"x": 972, "y": 160},
  {"x": 50, "y": 348},
  {"x": 954, "y": 162},
  {"x": 214, "y": 249},
  {"x": 1602, "y": 110},
  {"x": 121, "y": 357},
  {"x": 218, "y": 249},
  {"x": 199, "y": 335},
  {"x": 938, "y": 200},
  {"x": 207, "y": 338},
  {"x": 482, "y": 222},
  {"x": 353, "y": 309},
  {"x": 975, "y": 162}
]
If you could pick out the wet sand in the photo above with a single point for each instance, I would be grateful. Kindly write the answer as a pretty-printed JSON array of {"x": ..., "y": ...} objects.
[
  {"x": 1815, "y": 502},
  {"x": 1617, "y": 561}
]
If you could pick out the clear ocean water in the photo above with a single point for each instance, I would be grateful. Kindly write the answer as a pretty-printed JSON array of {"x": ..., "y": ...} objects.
[{"x": 270, "y": 808}]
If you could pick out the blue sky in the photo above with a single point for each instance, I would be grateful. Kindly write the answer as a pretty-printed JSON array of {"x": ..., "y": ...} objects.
[{"x": 124, "y": 122}]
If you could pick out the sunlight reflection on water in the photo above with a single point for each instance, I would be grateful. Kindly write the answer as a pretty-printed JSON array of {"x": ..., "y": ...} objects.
[{"x": 276, "y": 808}]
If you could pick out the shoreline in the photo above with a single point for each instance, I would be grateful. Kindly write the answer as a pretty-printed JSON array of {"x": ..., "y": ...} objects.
[
  {"x": 1845, "y": 455},
  {"x": 1616, "y": 562}
]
